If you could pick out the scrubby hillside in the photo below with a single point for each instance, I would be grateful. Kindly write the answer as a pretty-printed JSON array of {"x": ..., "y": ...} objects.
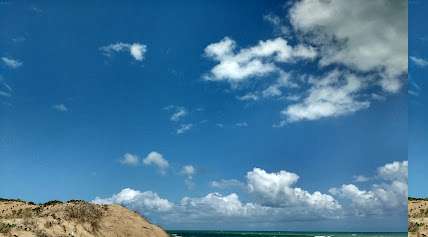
[
  {"x": 418, "y": 217},
  {"x": 74, "y": 218}
]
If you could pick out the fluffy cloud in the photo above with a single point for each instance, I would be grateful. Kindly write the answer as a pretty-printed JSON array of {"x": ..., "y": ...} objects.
[
  {"x": 383, "y": 198},
  {"x": 136, "y": 50},
  {"x": 369, "y": 37},
  {"x": 361, "y": 49},
  {"x": 274, "y": 200},
  {"x": 332, "y": 95},
  {"x": 260, "y": 60},
  {"x": 156, "y": 159},
  {"x": 188, "y": 170},
  {"x": 145, "y": 202},
  {"x": 60, "y": 108},
  {"x": 130, "y": 159},
  {"x": 277, "y": 190},
  {"x": 11, "y": 63}
]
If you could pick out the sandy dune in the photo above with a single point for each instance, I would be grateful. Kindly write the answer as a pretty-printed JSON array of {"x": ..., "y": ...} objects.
[
  {"x": 418, "y": 218},
  {"x": 75, "y": 218}
]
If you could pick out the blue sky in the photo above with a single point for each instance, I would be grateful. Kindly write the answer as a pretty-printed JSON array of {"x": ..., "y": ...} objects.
[
  {"x": 200, "y": 111},
  {"x": 417, "y": 100}
]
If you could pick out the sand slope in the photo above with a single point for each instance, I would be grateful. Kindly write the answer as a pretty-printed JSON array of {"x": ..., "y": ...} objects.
[
  {"x": 418, "y": 218},
  {"x": 74, "y": 218}
]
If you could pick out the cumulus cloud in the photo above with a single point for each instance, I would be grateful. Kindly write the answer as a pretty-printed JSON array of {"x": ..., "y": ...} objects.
[
  {"x": 60, "y": 108},
  {"x": 273, "y": 199},
  {"x": 383, "y": 198},
  {"x": 369, "y": 37},
  {"x": 11, "y": 63},
  {"x": 145, "y": 202},
  {"x": 136, "y": 50},
  {"x": 260, "y": 60},
  {"x": 364, "y": 46},
  {"x": 130, "y": 159},
  {"x": 156, "y": 159},
  {"x": 278, "y": 190},
  {"x": 332, "y": 95}
]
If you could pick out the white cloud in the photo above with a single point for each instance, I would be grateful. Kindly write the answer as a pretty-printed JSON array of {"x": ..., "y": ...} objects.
[
  {"x": 180, "y": 113},
  {"x": 145, "y": 202},
  {"x": 278, "y": 24},
  {"x": 273, "y": 200},
  {"x": 249, "y": 96},
  {"x": 333, "y": 95},
  {"x": 188, "y": 170},
  {"x": 11, "y": 63},
  {"x": 227, "y": 183},
  {"x": 365, "y": 43},
  {"x": 130, "y": 159},
  {"x": 5, "y": 89},
  {"x": 136, "y": 50},
  {"x": 184, "y": 128},
  {"x": 60, "y": 108},
  {"x": 419, "y": 61},
  {"x": 277, "y": 190},
  {"x": 242, "y": 124},
  {"x": 369, "y": 37},
  {"x": 384, "y": 198},
  {"x": 394, "y": 171},
  {"x": 217, "y": 205},
  {"x": 156, "y": 159},
  {"x": 256, "y": 61},
  {"x": 361, "y": 179}
]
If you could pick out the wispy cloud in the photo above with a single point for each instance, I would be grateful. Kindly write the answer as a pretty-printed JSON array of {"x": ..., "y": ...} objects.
[
  {"x": 136, "y": 50},
  {"x": 12, "y": 63},
  {"x": 183, "y": 128},
  {"x": 241, "y": 124},
  {"x": 178, "y": 112},
  {"x": 419, "y": 61},
  {"x": 5, "y": 89}
]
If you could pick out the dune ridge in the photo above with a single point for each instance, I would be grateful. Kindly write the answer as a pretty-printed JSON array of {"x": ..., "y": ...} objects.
[{"x": 73, "y": 218}]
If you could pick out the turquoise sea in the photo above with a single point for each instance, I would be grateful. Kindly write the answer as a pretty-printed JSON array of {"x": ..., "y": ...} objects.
[{"x": 280, "y": 234}]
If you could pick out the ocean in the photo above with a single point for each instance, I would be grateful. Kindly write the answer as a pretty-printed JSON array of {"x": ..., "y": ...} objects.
[{"x": 280, "y": 234}]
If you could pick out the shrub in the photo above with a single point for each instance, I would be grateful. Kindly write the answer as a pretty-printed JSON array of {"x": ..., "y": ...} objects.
[
  {"x": 84, "y": 212},
  {"x": 53, "y": 202},
  {"x": 5, "y": 228}
]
